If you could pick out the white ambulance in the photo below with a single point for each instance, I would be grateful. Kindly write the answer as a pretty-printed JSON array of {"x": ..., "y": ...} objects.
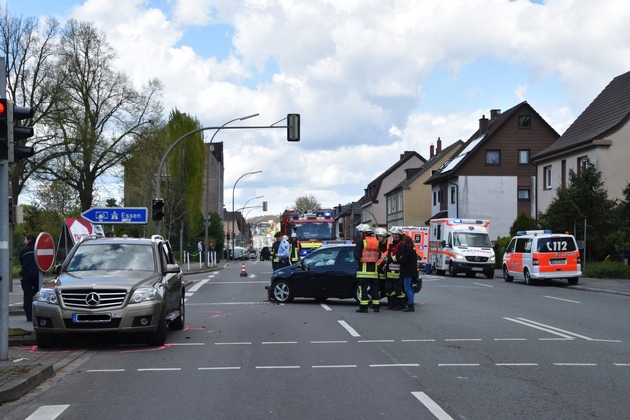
[
  {"x": 539, "y": 255},
  {"x": 420, "y": 237},
  {"x": 461, "y": 246}
]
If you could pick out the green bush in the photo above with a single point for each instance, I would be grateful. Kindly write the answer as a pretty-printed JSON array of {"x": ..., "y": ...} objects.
[{"x": 607, "y": 270}]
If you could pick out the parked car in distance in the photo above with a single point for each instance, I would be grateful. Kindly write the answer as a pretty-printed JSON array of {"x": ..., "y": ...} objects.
[
  {"x": 112, "y": 285},
  {"x": 327, "y": 272},
  {"x": 252, "y": 254}
]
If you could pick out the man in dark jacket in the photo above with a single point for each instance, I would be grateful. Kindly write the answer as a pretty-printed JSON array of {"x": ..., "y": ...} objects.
[{"x": 29, "y": 274}]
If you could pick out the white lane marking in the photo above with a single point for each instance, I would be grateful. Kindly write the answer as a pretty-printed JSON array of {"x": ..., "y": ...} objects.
[
  {"x": 220, "y": 368},
  {"x": 326, "y": 307},
  {"x": 232, "y": 344},
  {"x": 622, "y": 364},
  {"x": 462, "y": 339},
  {"x": 516, "y": 364},
  {"x": 522, "y": 321},
  {"x": 564, "y": 300},
  {"x": 198, "y": 285},
  {"x": 510, "y": 339},
  {"x": 435, "y": 409},
  {"x": 277, "y": 367},
  {"x": 484, "y": 285},
  {"x": 105, "y": 370},
  {"x": 397, "y": 365},
  {"x": 458, "y": 364},
  {"x": 375, "y": 341},
  {"x": 333, "y": 366},
  {"x": 158, "y": 369},
  {"x": 48, "y": 412},
  {"x": 279, "y": 342},
  {"x": 575, "y": 364},
  {"x": 186, "y": 344},
  {"x": 329, "y": 342},
  {"x": 418, "y": 340},
  {"x": 569, "y": 332},
  {"x": 349, "y": 329}
]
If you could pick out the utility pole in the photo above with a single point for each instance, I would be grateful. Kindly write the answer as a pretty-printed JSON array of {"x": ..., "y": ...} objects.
[{"x": 5, "y": 270}]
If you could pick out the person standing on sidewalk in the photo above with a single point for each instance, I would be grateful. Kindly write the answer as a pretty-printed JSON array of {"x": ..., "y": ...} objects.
[{"x": 29, "y": 274}]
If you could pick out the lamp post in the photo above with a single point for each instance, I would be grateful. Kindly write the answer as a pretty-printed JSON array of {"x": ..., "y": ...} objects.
[
  {"x": 206, "y": 221},
  {"x": 233, "y": 215}
]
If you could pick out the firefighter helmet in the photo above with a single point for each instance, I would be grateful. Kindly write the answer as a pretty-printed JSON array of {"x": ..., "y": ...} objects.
[
  {"x": 396, "y": 231},
  {"x": 381, "y": 232},
  {"x": 364, "y": 228}
]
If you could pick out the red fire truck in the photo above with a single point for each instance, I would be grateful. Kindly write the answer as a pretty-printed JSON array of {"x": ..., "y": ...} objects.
[{"x": 312, "y": 228}]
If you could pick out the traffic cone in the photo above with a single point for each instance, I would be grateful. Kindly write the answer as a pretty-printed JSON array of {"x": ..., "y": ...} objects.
[{"x": 243, "y": 271}]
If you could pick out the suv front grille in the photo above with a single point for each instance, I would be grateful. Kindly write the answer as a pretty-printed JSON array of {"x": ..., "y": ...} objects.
[{"x": 93, "y": 299}]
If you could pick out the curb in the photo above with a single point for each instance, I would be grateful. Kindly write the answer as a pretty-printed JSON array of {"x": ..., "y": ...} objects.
[{"x": 19, "y": 386}]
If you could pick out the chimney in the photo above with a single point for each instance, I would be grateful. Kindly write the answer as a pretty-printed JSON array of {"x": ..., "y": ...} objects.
[
  {"x": 494, "y": 113},
  {"x": 483, "y": 124},
  {"x": 439, "y": 146},
  {"x": 431, "y": 151}
]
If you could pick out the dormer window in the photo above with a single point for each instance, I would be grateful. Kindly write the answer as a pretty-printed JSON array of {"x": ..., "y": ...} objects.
[{"x": 524, "y": 121}]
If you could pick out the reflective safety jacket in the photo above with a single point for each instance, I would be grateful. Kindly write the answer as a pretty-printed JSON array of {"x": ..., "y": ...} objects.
[
  {"x": 394, "y": 265},
  {"x": 295, "y": 253},
  {"x": 367, "y": 253}
]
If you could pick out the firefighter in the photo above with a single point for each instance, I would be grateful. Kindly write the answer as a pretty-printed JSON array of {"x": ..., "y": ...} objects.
[
  {"x": 366, "y": 254},
  {"x": 396, "y": 299},
  {"x": 381, "y": 235},
  {"x": 295, "y": 249}
]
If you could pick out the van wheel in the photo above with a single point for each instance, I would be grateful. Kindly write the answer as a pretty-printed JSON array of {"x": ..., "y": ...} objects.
[
  {"x": 451, "y": 270},
  {"x": 506, "y": 275},
  {"x": 573, "y": 281},
  {"x": 489, "y": 274},
  {"x": 528, "y": 278}
]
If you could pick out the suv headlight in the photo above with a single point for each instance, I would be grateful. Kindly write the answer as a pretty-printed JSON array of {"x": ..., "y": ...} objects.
[
  {"x": 47, "y": 296},
  {"x": 143, "y": 295}
]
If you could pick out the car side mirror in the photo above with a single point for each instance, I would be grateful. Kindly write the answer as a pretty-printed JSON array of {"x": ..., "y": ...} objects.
[
  {"x": 57, "y": 269},
  {"x": 172, "y": 268},
  {"x": 443, "y": 243}
]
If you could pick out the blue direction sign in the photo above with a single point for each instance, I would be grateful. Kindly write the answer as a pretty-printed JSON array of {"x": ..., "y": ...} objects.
[{"x": 117, "y": 215}]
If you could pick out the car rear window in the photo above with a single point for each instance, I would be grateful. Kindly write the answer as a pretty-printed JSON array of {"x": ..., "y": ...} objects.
[
  {"x": 559, "y": 244},
  {"x": 90, "y": 257}
]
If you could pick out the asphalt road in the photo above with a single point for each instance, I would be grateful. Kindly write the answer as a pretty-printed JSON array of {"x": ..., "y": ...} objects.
[{"x": 473, "y": 349}]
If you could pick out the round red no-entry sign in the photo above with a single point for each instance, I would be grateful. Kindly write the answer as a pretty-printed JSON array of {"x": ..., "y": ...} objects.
[{"x": 44, "y": 251}]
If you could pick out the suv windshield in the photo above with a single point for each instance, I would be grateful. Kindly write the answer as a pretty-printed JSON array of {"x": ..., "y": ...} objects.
[{"x": 112, "y": 257}]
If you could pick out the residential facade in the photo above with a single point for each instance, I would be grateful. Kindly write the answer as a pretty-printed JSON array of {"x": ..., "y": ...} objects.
[
  {"x": 409, "y": 203},
  {"x": 492, "y": 176},
  {"x": 600, "y": 135}
]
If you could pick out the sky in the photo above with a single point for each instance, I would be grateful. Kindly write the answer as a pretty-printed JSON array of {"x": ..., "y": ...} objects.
[{"x": 369, "y": 78}]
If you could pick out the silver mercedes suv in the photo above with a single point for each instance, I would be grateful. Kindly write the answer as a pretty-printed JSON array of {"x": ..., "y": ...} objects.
[{"x": 112, "y": 285}]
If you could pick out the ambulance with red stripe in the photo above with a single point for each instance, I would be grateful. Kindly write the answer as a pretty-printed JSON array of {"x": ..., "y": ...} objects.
[
  {"x": 420, "y": 237},
  {"x": 540, "y": 255},
  {"x": 461, "y": 246}
]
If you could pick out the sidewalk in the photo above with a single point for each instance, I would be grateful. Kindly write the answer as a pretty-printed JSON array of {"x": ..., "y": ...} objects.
[{"x": 27, "y": 366}]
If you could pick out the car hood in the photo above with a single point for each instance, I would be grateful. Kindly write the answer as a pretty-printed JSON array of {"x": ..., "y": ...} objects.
[
  {"x": 123, "y": 279},
  {"x": 286, "y": 271}
]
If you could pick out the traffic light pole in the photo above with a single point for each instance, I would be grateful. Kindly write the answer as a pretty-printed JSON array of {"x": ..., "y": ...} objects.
[
  {"x": 293, "y": 134},
  {"x": 6, "y": 276}
]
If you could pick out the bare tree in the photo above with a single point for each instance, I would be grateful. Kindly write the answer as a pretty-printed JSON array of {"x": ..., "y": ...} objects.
[
  {"x": 98, "y": 114},
  {"x": 307, "y": 202}
]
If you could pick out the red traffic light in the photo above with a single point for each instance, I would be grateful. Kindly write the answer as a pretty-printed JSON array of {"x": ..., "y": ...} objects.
[{"x": 3, "y": 107}]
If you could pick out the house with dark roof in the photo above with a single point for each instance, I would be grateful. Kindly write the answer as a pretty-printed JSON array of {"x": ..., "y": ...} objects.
[
  {"x": 373, "y": 203},
  {"x": 600, "y": 135},
  {"x": 492, "y": 176},
  {"x": 409, "y": 202}
]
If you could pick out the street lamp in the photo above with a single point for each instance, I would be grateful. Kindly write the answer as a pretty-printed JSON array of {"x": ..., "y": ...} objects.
[
  {"x": 233, "y": 215},
  {"x": 208, "y": 176}
]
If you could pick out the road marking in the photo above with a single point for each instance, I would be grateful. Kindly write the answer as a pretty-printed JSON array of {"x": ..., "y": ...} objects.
[
  {"x": 458, "y": 364},
  {"x": 397, "y": 365},
  {"x": 349, "y": 329},
  {"x": 510, "y": 339},
  {"x": 484, "y": 285},
  {"x": 416, "y": 340},
  {"x": 333, "y": 366},
  {"x": 326, "y": 307},
  {"x": 158, "y": 369},
  {"x": 564, "y": 300},
  {"x": 233, "y": 344},
  {"x": 329, "y": 342},
  {"x": 220, "y": 368},
  {"x": 462, "y": 339},
  {"x": 277, "y": 367},
  {"x": 375, "y": 341},
  {"x": 105, "y": 370},
  {"x": 198, "y": 285},
  {"x": 516, "y": 364},
  {"x": 279, "y": 342},
  {"x": 48, "y": 412},
  {"x": 561, "y": 331},
  {"x": 435, "y": 409},
  {"x": 622, "y": 364},
  {"x": 533, "y": 324},
  {"x": 575, "y": 364},
  {"x": 186, "y": 344}
]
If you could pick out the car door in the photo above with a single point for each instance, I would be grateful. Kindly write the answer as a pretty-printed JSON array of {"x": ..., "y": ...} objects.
[
  {"x": 172, "y": 281},
  {"x": 318, "y": 279}
]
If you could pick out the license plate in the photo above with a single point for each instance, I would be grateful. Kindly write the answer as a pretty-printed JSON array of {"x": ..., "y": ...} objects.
[
  {"x": 78, "y": 318},
  {"x": 558, "y": 261},
  {"x": 477, "y": 269}
]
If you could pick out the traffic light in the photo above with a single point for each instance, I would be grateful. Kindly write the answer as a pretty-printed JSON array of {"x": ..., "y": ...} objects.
[
  {"x": 20, "y": 133},
  {"x": 4, "y": 130},
  {"x": 157, "y": 207},
  {"x": 293, "y": 127},
  {"x": 264, "y": 206},
  {"x": 228, "y": 236}
]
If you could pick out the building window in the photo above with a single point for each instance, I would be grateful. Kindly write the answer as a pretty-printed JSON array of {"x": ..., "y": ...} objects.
[
  {"x": 523, "y": 194},
  {"x": 563, "y": 173},
  {"x": 582, "y": 163},
  {"x": 434, "y": 198},
  {"x": 524, "y": 121},
  {"x": 452, "y": 195},
  {"x": 392, "y": 204},
  {"x": 523, "y": 157},
  {"x": 547, "y": 177},
  {"x": 493, "y": 157}
]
